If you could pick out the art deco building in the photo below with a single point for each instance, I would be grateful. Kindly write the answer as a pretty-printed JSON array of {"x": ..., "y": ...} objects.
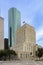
[
  {"x": 25, "y": 41},
  {"x": 14, "y": 20},
  {"x": 1, "y": 33}
]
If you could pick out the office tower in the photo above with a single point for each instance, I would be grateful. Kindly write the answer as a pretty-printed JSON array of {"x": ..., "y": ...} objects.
[
  {"x": 1, "y": 33},
  {"x": 14, "y": 20},
  {"x": 6, "y": 43}
]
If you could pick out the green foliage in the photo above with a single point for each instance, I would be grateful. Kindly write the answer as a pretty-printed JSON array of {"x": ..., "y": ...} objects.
[
  {"x": 39, "y": 52},
  {"x": 7, "y": 54}
]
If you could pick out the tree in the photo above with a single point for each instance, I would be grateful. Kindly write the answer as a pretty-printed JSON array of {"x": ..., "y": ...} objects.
[
  {"x": 39, "y": 52},
  {"x": 7, "y": 54}
]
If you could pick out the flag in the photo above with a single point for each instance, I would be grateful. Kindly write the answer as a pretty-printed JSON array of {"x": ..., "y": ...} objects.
[{"x": 23, "y": 21}]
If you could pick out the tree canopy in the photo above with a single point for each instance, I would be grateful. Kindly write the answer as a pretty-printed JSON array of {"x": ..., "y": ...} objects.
[
  {"x": 7, "y": 54},
  {"x": 39, "y": 52}
]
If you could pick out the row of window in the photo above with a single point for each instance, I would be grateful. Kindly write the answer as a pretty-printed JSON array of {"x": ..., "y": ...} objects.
[
  {"x": 28, "y": 47},
  {"x": 26, "y": 55}
]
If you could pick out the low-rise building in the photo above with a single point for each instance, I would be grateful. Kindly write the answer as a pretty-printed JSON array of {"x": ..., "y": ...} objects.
[{"x": 25, "y": 42}]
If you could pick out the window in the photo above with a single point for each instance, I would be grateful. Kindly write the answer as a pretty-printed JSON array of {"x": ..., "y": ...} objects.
[
  {"x": 20, "y": 55},
  {"x": 30, "y": 53},
  {"x": 26, "y": 55}
]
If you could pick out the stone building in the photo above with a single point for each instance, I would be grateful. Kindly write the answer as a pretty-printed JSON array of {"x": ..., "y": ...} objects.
[
  {"x": 1, "y": 33},
  {"x": 37, "y": 46},
  {"x": 25, "y": 42}
]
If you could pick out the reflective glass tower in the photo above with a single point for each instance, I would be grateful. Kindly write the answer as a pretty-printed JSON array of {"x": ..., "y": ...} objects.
[{"x": 14, "y": 20}]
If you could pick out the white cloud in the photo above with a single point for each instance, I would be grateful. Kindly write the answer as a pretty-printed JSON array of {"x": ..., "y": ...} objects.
[{"x": 39, "y": 34}]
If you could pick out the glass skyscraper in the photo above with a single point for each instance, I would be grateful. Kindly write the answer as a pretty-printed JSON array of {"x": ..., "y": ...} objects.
[{"x": 14, "y": 22}]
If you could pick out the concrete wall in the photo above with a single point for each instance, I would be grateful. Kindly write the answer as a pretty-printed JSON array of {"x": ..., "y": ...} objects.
[{"x": 1, "y": 33}]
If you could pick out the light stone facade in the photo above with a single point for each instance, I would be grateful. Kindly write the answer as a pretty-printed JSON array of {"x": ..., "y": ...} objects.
[
  {"x": 25, "y": 42},
  {"x": 37, "y": 46},
  {"x": 1, "y": 33}
]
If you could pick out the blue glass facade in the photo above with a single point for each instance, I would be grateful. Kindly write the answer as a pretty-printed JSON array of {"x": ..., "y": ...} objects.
[{"x": 14, "y": 20}]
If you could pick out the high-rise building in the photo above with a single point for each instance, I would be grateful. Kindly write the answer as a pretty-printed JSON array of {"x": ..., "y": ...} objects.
[
  {"x": 14, "y": 20},
  {"x": 6, "y": 43},
  {"x": 1, "y": 33}
]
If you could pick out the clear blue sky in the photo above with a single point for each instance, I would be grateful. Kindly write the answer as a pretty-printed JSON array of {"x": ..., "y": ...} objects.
[{"x": 31, "y": 12}]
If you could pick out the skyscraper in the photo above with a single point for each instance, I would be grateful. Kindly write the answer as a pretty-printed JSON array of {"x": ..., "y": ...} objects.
[
  {"x": 1, "y": 33},
  {"x": 14, "y": 20}
]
